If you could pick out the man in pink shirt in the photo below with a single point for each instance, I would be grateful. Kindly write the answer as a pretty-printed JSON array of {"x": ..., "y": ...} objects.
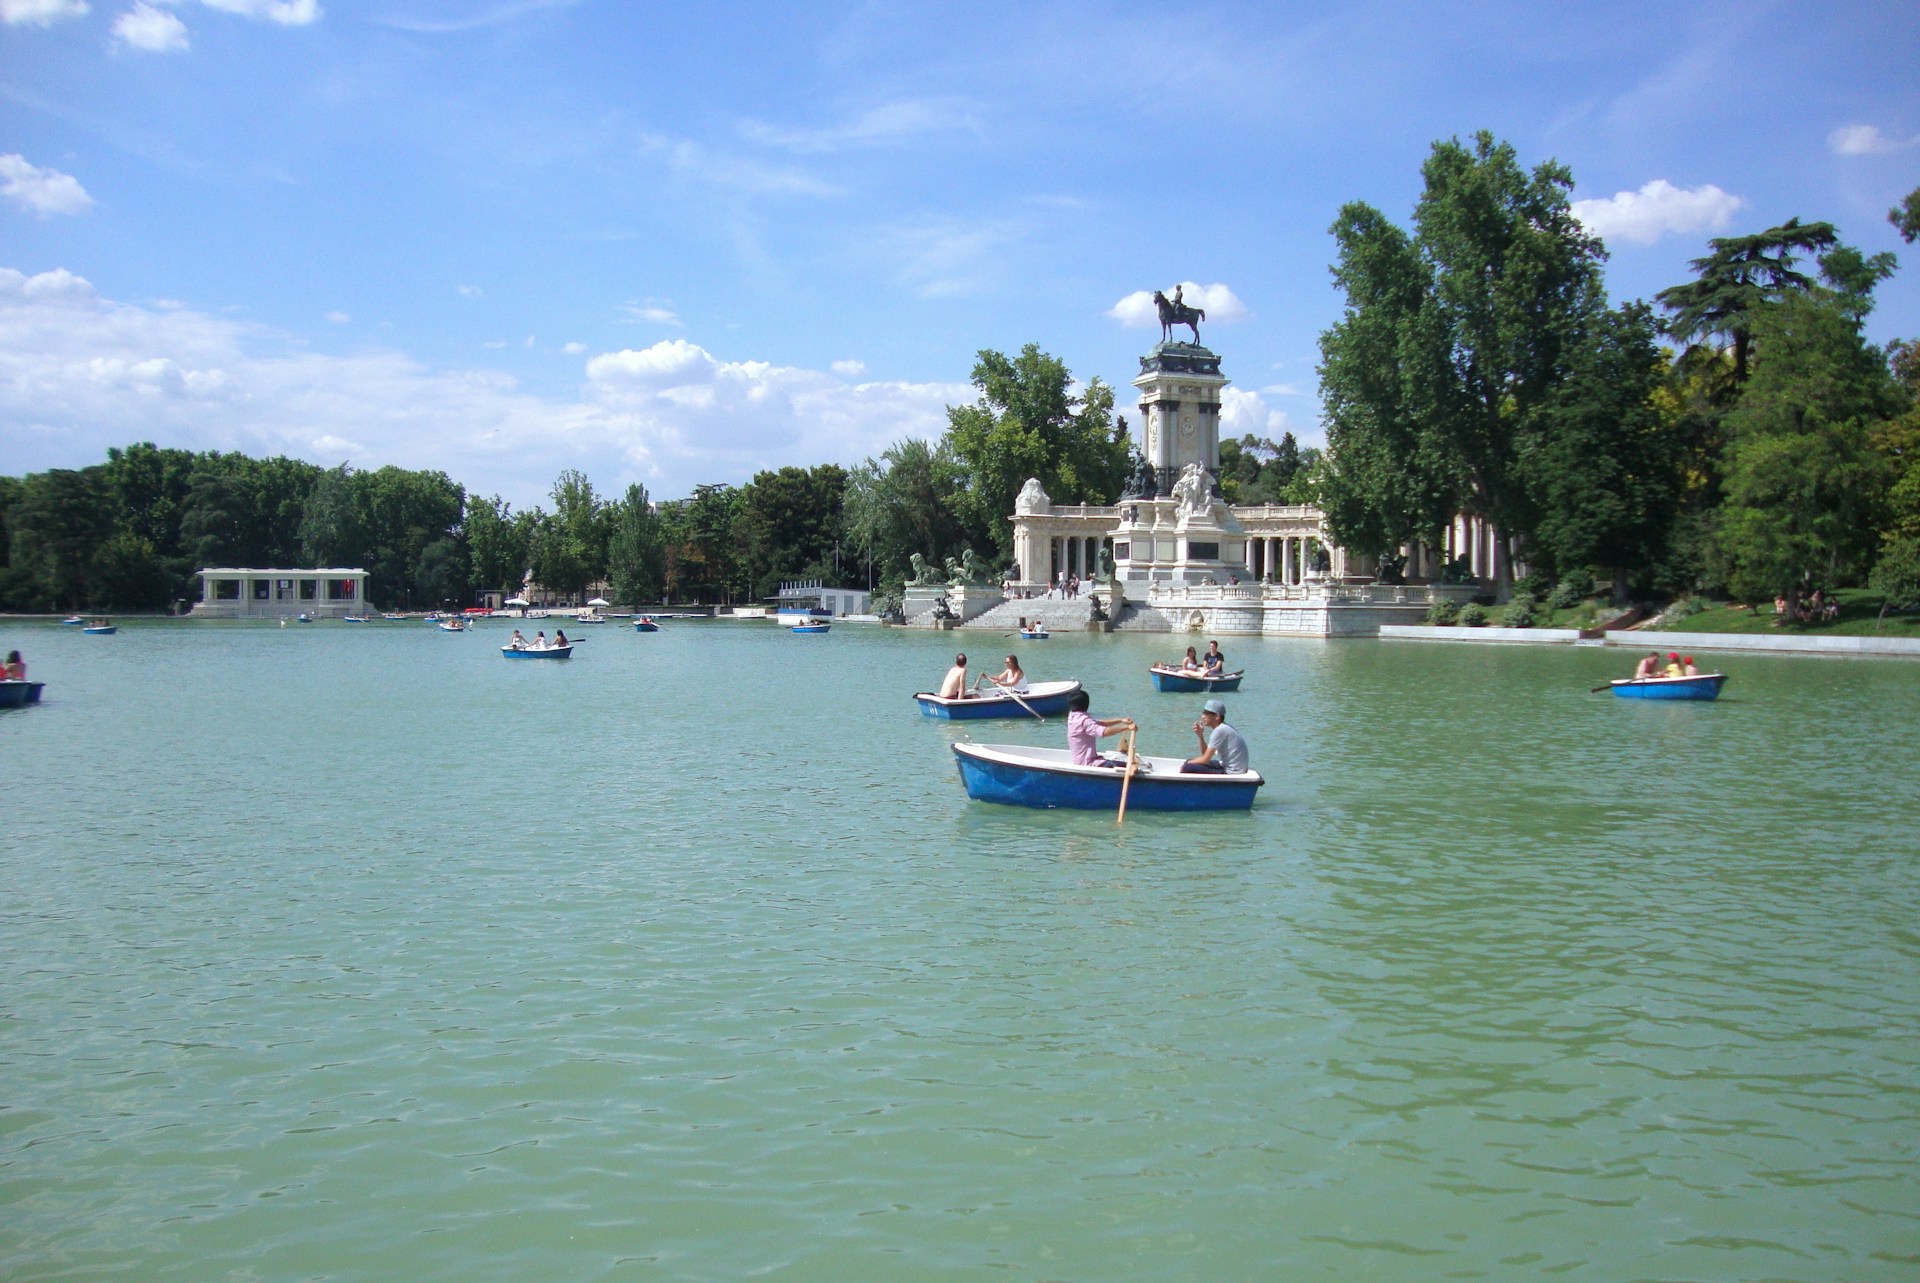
[{"x": 1084, "y": 731}]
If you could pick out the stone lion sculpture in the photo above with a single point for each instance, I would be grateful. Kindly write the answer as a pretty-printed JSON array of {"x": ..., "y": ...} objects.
[
  {"x": 924, "y": 574},
  {"x": 974, "y": 570}
]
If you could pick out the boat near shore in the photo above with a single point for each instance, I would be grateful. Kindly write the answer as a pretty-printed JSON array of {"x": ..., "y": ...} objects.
[
  {"x": 1047, "y": 699},
  {"x": 1704, "y": 686}
]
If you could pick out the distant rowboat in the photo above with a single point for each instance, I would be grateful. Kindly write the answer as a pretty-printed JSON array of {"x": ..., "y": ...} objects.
[
  {"x": 645, "y": 624},
  {"x": 1020, "y": 775},
  {"x": 537, "y": 652},
  {"x": 1166, "y": 677},
  {"x": 101, "y": 630},
  {"x": 810, "y": 628},
  {"x": 1699, "y": 686}
]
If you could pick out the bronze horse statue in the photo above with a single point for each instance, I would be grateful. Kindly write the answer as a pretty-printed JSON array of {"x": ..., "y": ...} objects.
[{"x": 1172, "y": 314}]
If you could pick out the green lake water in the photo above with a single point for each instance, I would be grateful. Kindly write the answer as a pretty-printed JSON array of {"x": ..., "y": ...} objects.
[{"x": 355, "y": 952}]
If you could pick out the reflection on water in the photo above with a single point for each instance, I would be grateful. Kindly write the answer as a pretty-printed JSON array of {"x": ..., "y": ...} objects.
[{"x": 361, "y": 953}]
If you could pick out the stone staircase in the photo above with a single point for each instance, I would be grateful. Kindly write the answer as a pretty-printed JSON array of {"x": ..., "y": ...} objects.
[{"x": 1059, "y": 616}]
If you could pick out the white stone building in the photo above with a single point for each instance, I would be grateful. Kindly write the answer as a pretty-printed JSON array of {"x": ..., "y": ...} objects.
[{"x": 241, "y": 593}]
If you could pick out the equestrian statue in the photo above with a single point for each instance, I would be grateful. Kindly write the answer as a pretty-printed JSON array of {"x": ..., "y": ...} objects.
[{"x": 1174, "y": 312}]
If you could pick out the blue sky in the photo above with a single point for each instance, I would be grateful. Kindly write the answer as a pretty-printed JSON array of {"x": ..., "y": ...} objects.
[{"x": 676, "y": 244}]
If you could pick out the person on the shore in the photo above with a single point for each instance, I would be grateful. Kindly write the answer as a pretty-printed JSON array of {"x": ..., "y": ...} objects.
[
  {"x": 1649, "y": 666},
  {"x": 1084, "y": 731},
  {"x": 1213, "y": 662},
  {"x": 16, "y": 668},
  {"x": 954, "y": 684},
  {"x": 1013, "y": 678},
  {"x": 1222, "y": 750}
]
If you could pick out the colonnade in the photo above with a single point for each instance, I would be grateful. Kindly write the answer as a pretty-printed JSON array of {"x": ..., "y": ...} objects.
[
  {"x": 1282, "y": 558},
  {"x": 1077, "y": 555}
]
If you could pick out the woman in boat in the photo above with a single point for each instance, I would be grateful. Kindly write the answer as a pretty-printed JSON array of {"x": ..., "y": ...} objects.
[
  {"x": 1191, "y": 664},
  {"x": 1674, "y": 668},
  {"x": 559, "y": 637},
  {"x": 16, "y": 668},
  {"x": 516, "y": 642},
  {"x": 540, "y": 639},
  {"x": 1084, "y": 730},
  {"x": 1013, "y": 679}
]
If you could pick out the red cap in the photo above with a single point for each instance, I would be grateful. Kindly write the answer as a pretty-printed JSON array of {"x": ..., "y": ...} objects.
[{"x": 1673, "y": 654}]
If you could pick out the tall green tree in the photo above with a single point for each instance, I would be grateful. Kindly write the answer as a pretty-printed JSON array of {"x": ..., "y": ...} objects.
[
  {"x": 62, "y": 518},
  {"x": 636, "y": 551},
  {"x": 1905, "y": 217},
  {"x": 1028, "y": 422},
  {"x": 1805, "y": 487},
  {"x": 906, "y": 502},
  {"x": 1734, "y": 283},
  {"x": 497, "y": 549},
  {"x": 790, "y": 524}
]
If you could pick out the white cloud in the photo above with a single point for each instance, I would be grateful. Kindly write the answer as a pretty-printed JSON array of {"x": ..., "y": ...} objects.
[
  {"x": 1865, "y": 140},
  {"x": 650, "y": 312},
  {"x": 467, "y": 291},
  {"x": 44, "y": 191},
  {"x": 849, "y": 369},
  {"x": 1243, "y": 412},
  {"x": 79, "y": 373},
  {"x": 888, "y": 123},
  {"x": 338, "y": 318},
  {"x": 40, "y": 13},
  {"x": 288, "y": 13},
  {"x": 1657, "y": 209},
  {"x": 151, "y": 29},
  {"x": 949, "y": 259},
  {"x": 703, "y": 165},
  {"x": 1138, "y": 310},
  {"x": 574, "y": 349}
]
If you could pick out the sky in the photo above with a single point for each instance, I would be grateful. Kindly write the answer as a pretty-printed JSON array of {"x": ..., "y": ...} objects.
[{"x": 679, "y": 244}]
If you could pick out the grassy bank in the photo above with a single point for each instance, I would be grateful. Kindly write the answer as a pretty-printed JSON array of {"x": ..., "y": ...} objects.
[{"x": 1859, "y": 617}]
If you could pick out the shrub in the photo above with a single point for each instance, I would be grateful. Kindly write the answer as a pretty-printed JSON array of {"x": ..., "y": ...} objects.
[
  {"x": 1533, "y": 584},
  {"x": 1473, "y": 615},
  {"x": 1443, "y": 612},
  {"x": 1574, "y": 587},
  {"x": 1519, "y": 611}
]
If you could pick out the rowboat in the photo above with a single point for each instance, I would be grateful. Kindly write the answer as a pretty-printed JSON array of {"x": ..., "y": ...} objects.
[
  {"x": 19, "y": 694},
  {"x": 73, "y": 619},
  {"x": 1045, "y": 698},
  {"x": 1700, "y": 686},
  {"x": 303, "y": 617},
  {"x": 810, "y": 628},
  {"x": 1034, "y": 634},
  {"x": 453, "y": 625},
  {"x": 1166, "y": 677},
  {"x": 537, "y": 652},
  {"x": 590, "y": 616},
  {"x": 101, "y": 630},
  {"x": 645, "y": 625},
  {"x": 357, "y": 619},
  {"x": 1019, "y": 775}
]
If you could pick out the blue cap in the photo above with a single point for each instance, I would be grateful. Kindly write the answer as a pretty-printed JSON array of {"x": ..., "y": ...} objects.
[{"x": 1214, "y": 706}]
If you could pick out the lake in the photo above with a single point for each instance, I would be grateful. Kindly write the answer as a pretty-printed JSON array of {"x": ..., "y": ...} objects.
[{"x": 355, "y": 952}]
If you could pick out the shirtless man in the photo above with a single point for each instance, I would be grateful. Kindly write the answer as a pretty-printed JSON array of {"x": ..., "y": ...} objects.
[{"x": 954, "y": 684}]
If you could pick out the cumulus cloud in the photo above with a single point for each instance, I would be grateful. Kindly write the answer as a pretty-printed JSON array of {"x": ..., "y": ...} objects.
[
  {"x": 1865, "y": 140},
  {"x": 151, "y": 29},
  {"x": 574, "y": 349},
  {"x": 80, "y": 373},
  {"x": 650, "y": 312},
  {"x": 1138, "y": 310},
  {"x": 849, "y": 369},
  {"x": 467, "y": 291},
  {"x": 1244, "y": 412},
  {"x": 1658, "y": 209},
  {"x": 40, "y": 13},
  {"x": 43, "y": 191}
]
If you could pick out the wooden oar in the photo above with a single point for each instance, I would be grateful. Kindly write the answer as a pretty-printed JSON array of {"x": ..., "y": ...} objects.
[
  {"x": 1596, "y": 690},
  {"x": 1008, "y": 690},
  {"x": 1127, "y": 780}
]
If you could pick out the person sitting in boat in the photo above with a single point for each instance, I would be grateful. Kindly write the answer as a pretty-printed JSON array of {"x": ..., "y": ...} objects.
[
  {"x": 1222, "y": 750},
  {"x": 1012, "y": 678},
  {"x": 1213, "y": 662},
  {"x": 516, "y": 642},
  {"x": 559, "y": 637},
  {"x": 1084, "y": 731},
  {"x": 1191, "y": 664},
  {"x": 1690, "y": 670},
  {"x": 1649, "y": 666},
  {"x": 954, "y": 684},
  {"x": 1674, "y": 667},
  {"x": 16, "y": 668},
  {"x": 539, "y": 640}
]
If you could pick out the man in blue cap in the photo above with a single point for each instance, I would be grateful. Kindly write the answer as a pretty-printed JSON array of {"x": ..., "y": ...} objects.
[{"x": 1222, "y": 750}]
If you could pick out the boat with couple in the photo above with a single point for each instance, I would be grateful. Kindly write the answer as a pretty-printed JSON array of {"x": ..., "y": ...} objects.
[{"x": 1003, "y": 694}]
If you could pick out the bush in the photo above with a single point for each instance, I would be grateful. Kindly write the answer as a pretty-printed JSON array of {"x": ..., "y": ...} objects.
[
  {"x": 1519, "y": 612},
  {"x": 1574, "y": 587},
  {"x": 1473, "y": 615},
  {"x": 1533, "y": 584},
  {"x": 1443, "y": 612}
]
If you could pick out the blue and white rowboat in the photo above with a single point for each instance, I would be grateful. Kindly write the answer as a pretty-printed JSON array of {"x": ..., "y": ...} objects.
[
  {"x": 1701, "y": 686},
  {"x": 19, "y": 694},
  {"x": 1034, "y": 634},
  {"x": 73, "y": 619},
  {"x": 540, "y": 652},
  {"x": 1048, "y": 777},
  {"x": 1168, "y": 678},
  {"x": 810, "y": 628},
  {"x": 1049, "y": 699},
  {"x": 645, "y": 625},
  {"x": 101, "y": 630}
]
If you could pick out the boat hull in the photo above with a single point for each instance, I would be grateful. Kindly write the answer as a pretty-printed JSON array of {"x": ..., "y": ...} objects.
[
  {"x": 108, "y": 631},
  {"x": 19, "y": 694},
  {"x": 1704, "y": 686},
  {"x": 1016, "y": 775},
  {"x": 1049, "y": 699},
  {"x": 551, "y": 652},
  {"x": 645, "y": 626},
  {"x": 1032, "y": 636},
  {"x": 809, "y": 628},
  {"x": 1168, "y": 680}
]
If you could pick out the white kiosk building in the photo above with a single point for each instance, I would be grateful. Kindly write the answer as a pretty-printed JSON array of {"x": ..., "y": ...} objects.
[{"x": 234, "y": 593}]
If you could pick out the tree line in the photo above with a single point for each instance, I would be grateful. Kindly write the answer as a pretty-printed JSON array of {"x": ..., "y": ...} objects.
[{"x": 1766, "y": 450}]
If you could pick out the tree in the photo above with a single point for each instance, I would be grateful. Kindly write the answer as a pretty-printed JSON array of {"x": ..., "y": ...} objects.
[
  {"x": 1026, "y": 423},
  {"x": 703, "y": 546},
  {"x": 62, "y": 517},
  {"x": 1905, "y": 217},
  {"x": 1896, "y": 567},
  {"x": 790, "y": 524},
  {"x": 636, "y": 552},
  {"x": 570, "y": 547},
  {"x": 331, "y": 533},
  {"x": 906, "y": 502},
  {"x": 1737, "y": 280},
  {"x": 1804, "y": 485}
]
